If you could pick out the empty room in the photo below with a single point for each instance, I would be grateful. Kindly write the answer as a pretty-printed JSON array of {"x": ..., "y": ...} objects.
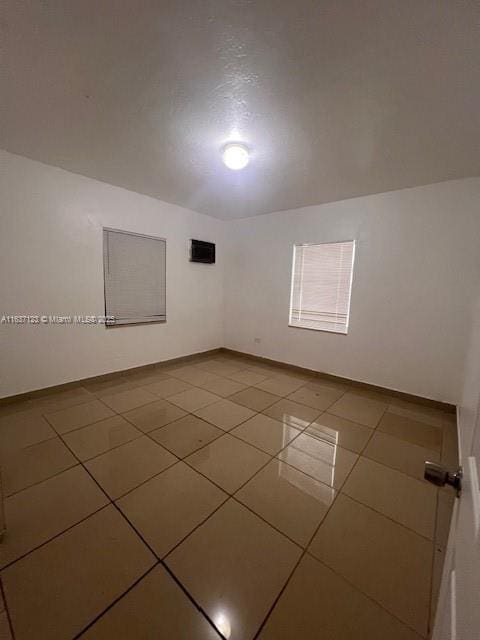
[{"x": 239, "y": 320}]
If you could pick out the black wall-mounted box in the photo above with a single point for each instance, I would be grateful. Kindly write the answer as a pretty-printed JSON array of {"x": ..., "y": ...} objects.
[{"x": 201, "y": 251}]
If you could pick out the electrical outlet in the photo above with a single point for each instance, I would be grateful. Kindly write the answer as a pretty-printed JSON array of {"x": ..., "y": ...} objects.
[{"x": 257, "y": 340}]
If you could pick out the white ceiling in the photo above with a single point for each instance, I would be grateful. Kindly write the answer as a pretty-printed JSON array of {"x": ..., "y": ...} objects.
[{"x": 335, "y": 98}]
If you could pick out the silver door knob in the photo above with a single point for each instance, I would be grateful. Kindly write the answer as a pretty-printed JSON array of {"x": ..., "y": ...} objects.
[{"x": 439, "y": 475}]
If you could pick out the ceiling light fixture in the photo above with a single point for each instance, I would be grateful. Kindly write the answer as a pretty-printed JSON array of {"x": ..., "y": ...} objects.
[{"x": 235, "y": 156}]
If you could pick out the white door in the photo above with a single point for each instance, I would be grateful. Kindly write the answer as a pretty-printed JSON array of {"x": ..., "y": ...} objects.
[{"x": 458, "y": 610}]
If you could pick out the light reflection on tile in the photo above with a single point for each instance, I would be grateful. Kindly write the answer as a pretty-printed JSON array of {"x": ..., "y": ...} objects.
[
  {"x": 294, "y": 494},
  {"x": 326, "y": 462},
  {"x": 234, "y": 565},
  {"x": 336, "y": 430},
  {"x": 155, "y": 609},
  {"x": 293, "y": 413},
  {"x": 267, "y": 434},
  {"x": 228, "y": 461},
  {"x": 222, "y": 623}
]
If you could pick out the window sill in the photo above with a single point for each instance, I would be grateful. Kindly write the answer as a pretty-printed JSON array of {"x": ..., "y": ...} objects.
[
  {"x": 341, "y": 333},
  {"x": 134, "y": 322}
]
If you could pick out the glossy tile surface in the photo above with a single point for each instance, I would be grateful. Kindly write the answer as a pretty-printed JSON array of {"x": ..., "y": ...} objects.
[
  {"x": 5, "y": 633},
  {"x": 38, "y": 513},
  {"x": 419, "y": 433},
  {"x": 193, "y": 375},
  {"x": 22, "y": 429},
  {"x": 359, "y": 409},
  {"x": 82, "y": 578},
  {"x": 221, "y": 561},
  {"x": 61, "y": 399},
  {"x": 94, "y": 439},
  {"x": 266, "y": 434},
  {"x": 400, "y": 454},
  {"x": 280, "y": 385},
  {"x": 254, "y": 398},
  {"x": 154, "y": 415},
  {"x": 220, "y": 368},
  {"x": 288, "y": 499},
  {"x": 193, "y": 399},
  {"x": 156, "y": 608},
  {"x": 168, "y": 387},
  {"x": 225, "y": 414},
  {"x": 116, "y": 385},
  {"x": 129, "y": 399},
  {"x": 318, "y": 603},
  {"x": 347, "y": 434},
  {"x": 186, "y": 435},
  {"x": 450, "y": 453},
  {"x": 33, "y": 464},
  {"x": 319, "y": 398},
  {"x": 394, "y": 494},
  {"x": 419, "y": 413},
  {"x": 78, "y": 416},
  {"x": 323, "y": 461},
  {"x": 388, "y": 562},
  {"x": 247, "y": 377},
  {"x": 293, "y": 413},
  {"x": 228, "y": 461},
  {"x": 168, "y": 507},
  {"x": 351, "y": 487},
  {"x": 125, "y": 467},
  {"x": 223, "y": 387}
]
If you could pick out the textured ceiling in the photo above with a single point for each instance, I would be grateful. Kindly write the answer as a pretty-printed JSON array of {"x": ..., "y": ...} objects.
[{"x": 335, "y": 98}]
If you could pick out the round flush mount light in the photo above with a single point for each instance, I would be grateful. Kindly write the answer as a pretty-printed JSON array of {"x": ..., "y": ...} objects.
[{"x": 235, "y": 156}]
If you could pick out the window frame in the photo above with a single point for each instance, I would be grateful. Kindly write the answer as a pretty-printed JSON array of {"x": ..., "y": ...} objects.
[
  {"x": 137, "y": 319},
  {"x": 315, "y": 244}
]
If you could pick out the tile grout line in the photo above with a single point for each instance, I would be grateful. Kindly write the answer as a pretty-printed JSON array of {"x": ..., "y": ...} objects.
[
  {"x": 366, "y": 595},
  {"x": 116, "y": 446},
  {"x": 30, "y": 486},
  {"x": 114, "y": 602},
  {"x": 60, "y": 436},
  {"x": 361, "y": 455},
  {"x": 112, "y": 502},
  {"x": 54, "y": 537},
  {"x": 230, "y": 495},
  {"x": 305, "y": 550},
  {"x": 286, "y": 397},
  {"x": 7, "y": 612},
  {"x": 400, "y": 524},
  {"x": 142, "y": 433}
]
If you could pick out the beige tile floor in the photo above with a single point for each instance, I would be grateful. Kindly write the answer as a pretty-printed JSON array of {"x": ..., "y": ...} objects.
[{"x": 221, "y": 498}]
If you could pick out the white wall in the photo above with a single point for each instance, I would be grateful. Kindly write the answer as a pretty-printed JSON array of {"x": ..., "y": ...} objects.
[
  {"x": 51, "y": 262},
  {"x": 416, "y": 270}
]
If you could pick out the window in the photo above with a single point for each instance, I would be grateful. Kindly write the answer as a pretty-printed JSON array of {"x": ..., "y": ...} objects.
[
  {"x": 134, "y": 276},
  {"x": 321, "y": 286}
]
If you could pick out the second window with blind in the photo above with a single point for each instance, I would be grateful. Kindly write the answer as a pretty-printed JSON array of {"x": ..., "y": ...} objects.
[
  {"x": 321, "y": 286},
  {"x": 134, "y": 277}
]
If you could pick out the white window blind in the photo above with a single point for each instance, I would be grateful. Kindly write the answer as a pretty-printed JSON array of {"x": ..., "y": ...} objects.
[
  {"x": 321, "y": 286},
  {"x": 134, "y": 274}
]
